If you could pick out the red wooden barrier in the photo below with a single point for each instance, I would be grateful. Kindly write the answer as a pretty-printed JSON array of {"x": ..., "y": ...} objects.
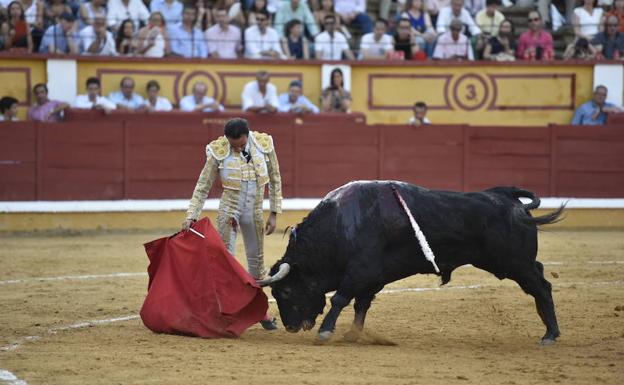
[{"x": 18, "y": 161}]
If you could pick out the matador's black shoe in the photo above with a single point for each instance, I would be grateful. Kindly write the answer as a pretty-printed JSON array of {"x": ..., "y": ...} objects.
[{"x": 269, "y": 324}]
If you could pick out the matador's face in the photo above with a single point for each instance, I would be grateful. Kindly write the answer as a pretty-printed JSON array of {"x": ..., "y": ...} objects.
[{"x": 238, "y": 144}]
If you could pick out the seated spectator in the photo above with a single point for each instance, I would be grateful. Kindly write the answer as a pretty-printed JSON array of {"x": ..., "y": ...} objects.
[
  {"x": 15, "y": 31},
  {"x": 587, "y": 20},
  {"x": 405, "y": 42},
  {"x": 377, "y": 45},
  {"x": 186, "y": 40},
  {"x": 502, "y": 47},
  {"x": 490, "y": 18},
  {"x": 420, "y": 115},
  {"x": 474, "y": 7},
  {"x": 335, "y": 98},
  {"x": 453, "y": 44},
  {"x": 62, "y": 37},
  {"x": 8, "y": 109},
  {"x": 44, "y": 109},
  {"x": 419, "y": 19},
  {"x": 296, "y": 10},
  {"x": 353, "y": 12},
  {"x": 618, "y": 11},
  {"x": 223, "y": 39},
  {"x": 327, "y": 8},
  {"x": 155, "y": 102},
  {"x": 256, "y": 7},
  {"x": 434, "y": 7},
  {"x": 125, "y": 98},
  {"x": 53, "y": 9},
  {"x": 34, "y": 10},
  {"x": 331, "y": 44},
  {"x": 92, "y": 100},
  {"x": 456, "y": 11},
  {"x": 120, "y": 10},
  {"x": 90, "y": 10},
  {"x": 595, "y": 111},
  {"x": 171, "y": 10},
  {"x": 293, "y": 100},
  {"x": 580, "y": 49},
  {"x": 96, "y": 40},
  {"x": 260, "y": 95},
  {"x": 233, "y": 10},
  {"x": 126, "y": 42},
  {"x": 610, "y": 43},
  {"x": 198, "y": 101},
  {"x": 535, "y": 44},
  {"x": 153, "y": 39},
  {"x": 295, "y": 45},
  {"x": 262, "y": 41}
]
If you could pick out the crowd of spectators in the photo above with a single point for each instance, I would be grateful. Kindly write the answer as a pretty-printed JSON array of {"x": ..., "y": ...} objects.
[{"x": 304, "y": 29}]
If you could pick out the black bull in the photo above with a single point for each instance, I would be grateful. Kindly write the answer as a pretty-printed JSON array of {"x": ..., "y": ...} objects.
[{"x": 359, "y": 238}]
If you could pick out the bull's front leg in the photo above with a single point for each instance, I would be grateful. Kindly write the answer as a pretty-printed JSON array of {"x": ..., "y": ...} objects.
[{"x": 338, "y": 302}]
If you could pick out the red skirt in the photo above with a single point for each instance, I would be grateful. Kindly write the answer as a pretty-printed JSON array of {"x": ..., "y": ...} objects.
[{"x": 197, "y": 288}]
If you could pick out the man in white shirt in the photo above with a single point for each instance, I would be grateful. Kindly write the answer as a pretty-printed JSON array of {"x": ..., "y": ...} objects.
[
  {"x": 293, "y": 100},
  {"x": 120, "y": 10},
  {"x": 198, "y": 101},
  {"x": 262, "y": 41},
  {"x": 331, "y": 44},
  {"x": 354, "y": 12},
  {"x": 223, "y": 39},
  {"x": 420, "y": 115},
  {"x": 489, "y": 18},
  {"x": 260, "y": 95},
  {"x": 93, "y": 100},
  {"x": 453, "y": 44},
  {"x": 96, "y": 40},
  {"x": 125, "y": 98},
  {"x": 155, "y": 102},
  {"x": 377, "y": 44},
  {"x": 456, "y": 11}
]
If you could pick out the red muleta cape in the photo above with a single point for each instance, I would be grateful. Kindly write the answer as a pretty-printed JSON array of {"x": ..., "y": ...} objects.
[{"x": 197, "y": 288}]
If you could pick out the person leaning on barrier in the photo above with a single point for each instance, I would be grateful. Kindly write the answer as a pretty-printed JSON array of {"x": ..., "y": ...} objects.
[
  {"x": 8, "y": 109},
  {"x": 294, "y": 101},
  {"x": 260, "y": 95},
  {"x": 126, "y": 98},
  {"x": 420, "y": 115},
  {"x": 595, "y": 111},
  {"x": 245, "y": 162},
  {"x": 198, "y": 101},
  {"x": 44, "y": 109},
  {"x": 92, "y": 100},
  {"x": 154, "y": 102}
]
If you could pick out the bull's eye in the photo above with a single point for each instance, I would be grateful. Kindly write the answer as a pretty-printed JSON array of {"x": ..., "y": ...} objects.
[{"x": 286, "y": 292}]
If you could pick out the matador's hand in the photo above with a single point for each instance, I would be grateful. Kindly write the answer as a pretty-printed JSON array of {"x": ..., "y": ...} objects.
[
  {"x": 187, "y": 224},
  {"x": 269, "y": 228}
]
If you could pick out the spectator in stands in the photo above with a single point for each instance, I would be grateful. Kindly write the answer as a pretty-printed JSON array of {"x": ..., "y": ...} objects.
[
  {"x": 535, "y": 44},
  {"x": 296, "y": 10},
  {"x": 502, "y": 46},
  {"x": 453, "y": 44},
  {"x": 327, "y": 8},
  {"x": 53, "y": 9},
  {"x": 610, "y": 43},
  {"x": 262, "y": 41},
  {"x": 490, "y": 18},
  {"x": 580, "y": 49},
  {"x": 353, "y": 12},
  {"x": 126, "y": 98},
  {"x": 377, "y": 44},
  {"x": 331, "y": 44},
  {"x": 295, "y": 45},
  {"x": 587, "y": 20},
  {"x": 186, "y": 40},
  {"x": 456, "y": 11},
  {"x": 15, "y": 30},
  {"x": 257, "y": 6},
  {"x": 44, "y": 109},
  {"x": 434, "y": 7},
  {"x": 126, "y": 42},
  {"x": 171, "y": 10},
  {"x": 8, "y": 109},
  {"x": 92, "y": 100},
  {"x": 260, "y": 95},
  {"x": 474, "y": 7},
  {"x": 420, "y": 115},
  {"x": 405, "y": 42},
  {"x": 120, "y": 10},
  {"x": 198, "y": 101},
  {"x": 96, "y": 40},
  {"x": 90, "y": 10},
  {"x": 294, "y": 101},
  {"x": 233, "y": 10},
  {"x": 223, "y": 39},
  {"x": 335, "y": 98},
  {"x": 62, "y": 37},
  {"x": 419, "y": 19},
  {"x": 34, "y": 12},
  {"x": 595, "y": 111},
  {"x": 153, "y": 39},
  {"x": 618, "y": 11},
  {"x": 155, "y": 102}
]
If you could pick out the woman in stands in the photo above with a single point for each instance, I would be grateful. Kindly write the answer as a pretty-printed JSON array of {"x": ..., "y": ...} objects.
[
  {"x": 503, "y": 46},
  {"x": 257, "y": 6},
  {"x": 419, "y": 18},
  {"x": 153, "y": 39},
  {"x": 335, "y": 98},
  {"x": 588, "y": 20},
  {"x": 125, "y": 42},
  {"x": 91, "y": 10},
  {"x": 294, "y": 44},
  {"x": 16, "y": 31}
]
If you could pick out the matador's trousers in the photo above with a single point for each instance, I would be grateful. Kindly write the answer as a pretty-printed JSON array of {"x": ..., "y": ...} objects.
[{"x": 242, "y": 211}]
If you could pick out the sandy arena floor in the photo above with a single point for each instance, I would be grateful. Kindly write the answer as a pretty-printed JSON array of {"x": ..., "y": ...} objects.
[{"x": 460, "y": 334}]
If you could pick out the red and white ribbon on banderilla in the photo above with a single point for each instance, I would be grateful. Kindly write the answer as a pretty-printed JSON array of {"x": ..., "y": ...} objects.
[{"x": 424, "y": 245}]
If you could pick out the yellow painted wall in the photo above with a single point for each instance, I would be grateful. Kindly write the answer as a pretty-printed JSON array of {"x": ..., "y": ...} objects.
[{"x": 17, "y": 77}]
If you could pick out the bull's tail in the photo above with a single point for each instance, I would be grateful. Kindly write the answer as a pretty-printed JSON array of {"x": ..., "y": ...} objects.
[{"x": 521, "y": 212}]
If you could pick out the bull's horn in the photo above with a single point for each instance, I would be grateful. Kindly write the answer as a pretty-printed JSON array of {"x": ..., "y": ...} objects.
[{"x": 284, "y": 268}]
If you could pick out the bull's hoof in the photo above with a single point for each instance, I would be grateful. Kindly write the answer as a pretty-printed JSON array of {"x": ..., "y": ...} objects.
[
  {"x": 352, "y": 335},
  {"x": 323, "y": 337},
  {"x": 547, "y": 342}
]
